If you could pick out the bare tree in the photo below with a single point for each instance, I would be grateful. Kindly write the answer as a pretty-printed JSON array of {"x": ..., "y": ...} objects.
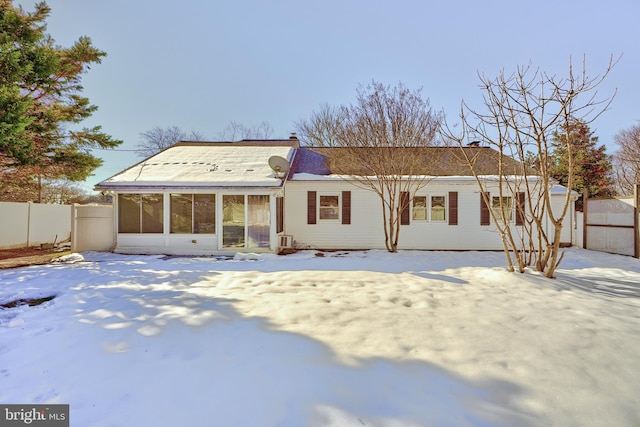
[
  {"x": 236, "y": 131},
  {"x": 21, "y": 184},
  {"x": 525, "y": 114},
  {"x": 627, "y": 159},
  {"x": 157, "y": 139},
  {"x": 323, "y": 128},
  {"x": 378, "y": 141}
]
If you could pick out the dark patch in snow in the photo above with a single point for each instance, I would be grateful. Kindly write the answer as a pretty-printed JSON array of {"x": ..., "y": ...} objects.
[{"x": 27, "y": 301}]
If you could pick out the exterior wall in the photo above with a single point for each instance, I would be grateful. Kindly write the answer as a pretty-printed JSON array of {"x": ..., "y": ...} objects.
[
  {"x": 30, "y": 224},
  {"x": 191, "y": 243},
  {"x": 568, "y": 234},
  {"x": 366, "y": 228},
  {"x": 364, "y": 232},
  {"x": 92, "y": 228}
]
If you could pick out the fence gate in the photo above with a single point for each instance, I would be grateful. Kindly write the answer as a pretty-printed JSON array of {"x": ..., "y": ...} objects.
[
  {"x": 92, "y": 228},
  {"x": 611, "y": 225}
]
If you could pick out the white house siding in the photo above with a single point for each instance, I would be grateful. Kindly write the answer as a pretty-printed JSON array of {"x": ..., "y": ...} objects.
[
  {"x": 366, "y": 228},
  {"x": 189, "y": 244},
  {"x": 364, "y": 232},
  {"x": 568, "y": 234}
]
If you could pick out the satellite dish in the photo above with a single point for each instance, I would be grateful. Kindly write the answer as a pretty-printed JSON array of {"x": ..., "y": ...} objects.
[{"x": 280, "y": 165}]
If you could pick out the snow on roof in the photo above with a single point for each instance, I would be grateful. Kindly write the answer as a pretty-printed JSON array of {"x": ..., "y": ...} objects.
[
  {"x": 211, "y": 164},
  {"x": 561, "y": 190}
]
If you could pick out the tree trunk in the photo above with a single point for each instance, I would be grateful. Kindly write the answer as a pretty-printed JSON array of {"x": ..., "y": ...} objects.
[
  {"x": 39, "y": 188},
  {"x": 552, "y": 262}
]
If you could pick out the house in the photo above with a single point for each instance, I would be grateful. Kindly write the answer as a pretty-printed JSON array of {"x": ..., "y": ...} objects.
[{"x": 200, "y": 198}]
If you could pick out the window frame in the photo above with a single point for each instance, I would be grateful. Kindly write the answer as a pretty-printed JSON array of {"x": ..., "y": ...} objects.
[
  {"x": 139, "y": 199},
  {"x": 193, "y": 211},
  {"x": 338, "y": 207},
  {"x": 445, "y": 207},
  {"x": 497, "y": 210},
  {"x": 196, "y": 226},
  {"x": 428, "y": 207},
  {"x": 425, "y": 207}
]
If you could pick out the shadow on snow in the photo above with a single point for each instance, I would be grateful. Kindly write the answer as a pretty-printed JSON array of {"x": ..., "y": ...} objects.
[{"x": 151, "y": 341}]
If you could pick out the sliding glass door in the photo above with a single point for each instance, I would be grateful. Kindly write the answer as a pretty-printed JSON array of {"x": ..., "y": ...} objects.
[
  {"x": 233, "y": 221},
  {"x": 246, "y": 221},
  {"x": 259, "y": 221}
]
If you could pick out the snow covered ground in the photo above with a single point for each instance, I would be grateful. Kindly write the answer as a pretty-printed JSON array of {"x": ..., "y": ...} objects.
[{"x": 344, "y": 339}]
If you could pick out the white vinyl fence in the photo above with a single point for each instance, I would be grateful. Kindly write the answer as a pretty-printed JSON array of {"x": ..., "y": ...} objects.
[
  {"x": 611, "y": 225},
  {"x": 31, "y": 224},
  {"x": 93, "y": 228}
]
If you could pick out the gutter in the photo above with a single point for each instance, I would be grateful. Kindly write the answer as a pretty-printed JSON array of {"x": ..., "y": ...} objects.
[{"x": 164, "y": 187}]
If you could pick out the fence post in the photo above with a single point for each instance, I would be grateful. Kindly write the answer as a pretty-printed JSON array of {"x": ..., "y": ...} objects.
[
  {"x": 585, "y": 200},
  {"x": 73, "y": 227},
  {"x": 636, "y": 237},
  {"x": 29, "y": 223}
]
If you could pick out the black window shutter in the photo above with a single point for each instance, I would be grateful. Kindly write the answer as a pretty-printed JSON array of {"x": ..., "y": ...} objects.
[
  {"x": 453, "y": 208},
  {"x": 311, "y": 207},
  {"x": 520, "y": 207},
  {"x": 346, "y": 207},
  {"x": 404, "y": 206},
  {"x": 485, "y": 217}
]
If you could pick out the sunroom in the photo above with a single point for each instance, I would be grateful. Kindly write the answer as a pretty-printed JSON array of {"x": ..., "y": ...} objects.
[{"x": 201, "y": 199}]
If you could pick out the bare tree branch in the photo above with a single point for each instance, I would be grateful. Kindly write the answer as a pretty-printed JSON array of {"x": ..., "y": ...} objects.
[
  {"x": 379, "y": 138},
  {"x": 157, "y": 139},
  {"x": 627, "y": 158},
  {"x": 236, "y": 131},
  {"x": 522, "y": 111}
]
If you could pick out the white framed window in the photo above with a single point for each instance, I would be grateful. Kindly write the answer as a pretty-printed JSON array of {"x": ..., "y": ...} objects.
[
  {"x": 140, "y": 213},
  {"x": 419, "y": 212},
  {"x": 192, "y": 213},
  {"x": 502, "y": 204},
  {"x": 329, "y": 207},
  {"x": 431, "y": 208},
  {"x": 438, "y": 208}
]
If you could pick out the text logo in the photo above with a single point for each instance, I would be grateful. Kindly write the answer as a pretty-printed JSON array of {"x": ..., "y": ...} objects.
[{"x": 34, "y": 415}]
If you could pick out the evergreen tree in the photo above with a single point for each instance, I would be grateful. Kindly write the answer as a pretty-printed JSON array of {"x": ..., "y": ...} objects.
[
  {"x": 592, "y": 169},
  {"x": 41, "y": 101}
]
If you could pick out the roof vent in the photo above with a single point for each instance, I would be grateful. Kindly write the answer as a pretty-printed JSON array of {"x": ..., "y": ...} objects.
[{"x": 474, "y": 144}]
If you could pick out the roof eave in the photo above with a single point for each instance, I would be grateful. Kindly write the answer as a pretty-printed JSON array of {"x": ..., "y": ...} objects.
[{"x": 185, "y": 186}]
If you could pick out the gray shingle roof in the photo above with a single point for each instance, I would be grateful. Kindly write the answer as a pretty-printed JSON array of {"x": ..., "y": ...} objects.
[{"x": 438, "y": 161}]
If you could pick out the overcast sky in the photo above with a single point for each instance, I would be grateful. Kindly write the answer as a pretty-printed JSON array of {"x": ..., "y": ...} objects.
[{"x": 199, "y": 64}]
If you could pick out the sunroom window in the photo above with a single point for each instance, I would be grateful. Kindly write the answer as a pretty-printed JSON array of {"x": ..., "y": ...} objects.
[
  {"x": 140, "y": 213},
  {"x": 193, "y": 213}
]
